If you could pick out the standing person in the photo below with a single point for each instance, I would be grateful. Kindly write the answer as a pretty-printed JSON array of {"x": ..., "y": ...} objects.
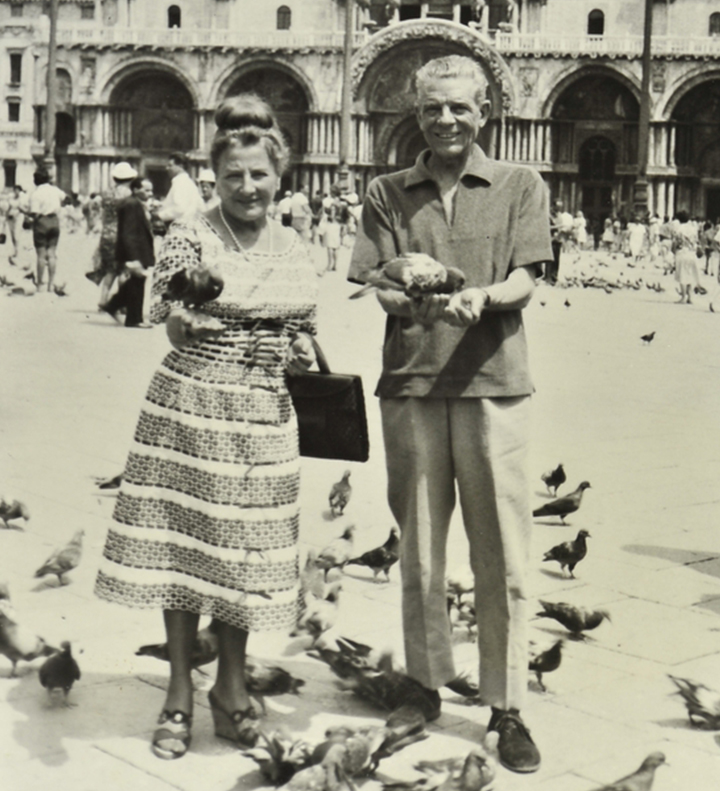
[
  {"x": 301, "y": 212},
  {"x": 455, "y": 387},
  {"x": 106, "y": 268},
  {"x": 16, "y": 206},
  {"x": 316, "y": 213},
  {"x": 284, "y": 208},
  {"x": 561, "y": 226},
  {"x": 580, "y": 230},
  {"x": 685, "y": 247},
  {"x": 332, "y": 238},
  {"x": 183, "y": 200},
  {"x": 206, "y": 182},
  {"x": 44, "y": 207},
  {"x": 134, "y": 252},
  {"x": 637, "y": 232},
  {"x": 208, "y": 513}
]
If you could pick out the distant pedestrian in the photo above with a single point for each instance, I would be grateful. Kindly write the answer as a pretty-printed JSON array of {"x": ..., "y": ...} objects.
[
  {"x": 608, "y": 237},
  {"x": 685, "y": 247},
  {"x": 44, "y": 208},
  {"x": 561, "y": 226},
  {"x": 580, "y": 230},
  {"x": 206, "y": 183},
  {"x": 106, "y": 268},
  {"x": 332, "y": 239},
  {"x": 134, "y": 252},
  {"x": 17, "y": 203},
  {"x": 183, "y": 201},
  {"x": 301, "y": 212},
  {"x": 284, "y": 208},
  {"x": 316, "y": 213},
  {"x": 637, "y": 233}
]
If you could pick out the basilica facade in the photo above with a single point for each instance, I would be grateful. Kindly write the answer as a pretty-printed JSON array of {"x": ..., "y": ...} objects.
[{"x": 138, "y": 79}]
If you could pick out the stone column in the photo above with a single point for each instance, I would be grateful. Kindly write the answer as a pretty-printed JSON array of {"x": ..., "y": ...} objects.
[
  {"x": 670, "y": 208},
  {"x": 104, "y": 175},
  {"x": 671, "y": 148},
  {"x": 75, "y": 176},
  {"x": 532, "y": 153}
]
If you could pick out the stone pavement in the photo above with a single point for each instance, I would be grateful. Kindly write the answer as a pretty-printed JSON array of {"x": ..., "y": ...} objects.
[{"x": 640, "y": 422}]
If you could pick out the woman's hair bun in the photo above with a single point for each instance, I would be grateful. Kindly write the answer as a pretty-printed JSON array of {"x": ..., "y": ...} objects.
[{"x": 239, "y": 112}]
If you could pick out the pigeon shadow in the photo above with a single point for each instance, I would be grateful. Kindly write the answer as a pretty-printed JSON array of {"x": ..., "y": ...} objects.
[
  {"x": 558, "y": 575},
  {"x": 554, "y": 523},
  {"x": 545, "y": 494},
  {"x": 329, "y": 516},
  {"x": 51, "y": 583},
  {"x": 8, "y": 526}
]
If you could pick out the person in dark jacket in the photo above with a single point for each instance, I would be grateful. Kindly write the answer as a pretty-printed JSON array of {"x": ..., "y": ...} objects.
[{"x": 134, "y": 252}]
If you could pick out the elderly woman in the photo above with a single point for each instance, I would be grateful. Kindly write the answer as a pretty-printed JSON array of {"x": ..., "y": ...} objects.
[{"x": 206, "y": 522}]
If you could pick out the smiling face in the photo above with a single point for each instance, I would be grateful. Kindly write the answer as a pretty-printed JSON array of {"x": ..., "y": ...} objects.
[
  {"x": 246, "y": 182},
  {"x": 450, "y": 115}
]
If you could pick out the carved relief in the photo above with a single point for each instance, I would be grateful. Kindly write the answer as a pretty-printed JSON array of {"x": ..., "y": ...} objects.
[
  {"x": 87, "y": 75},
  {"x": 528, "y": 81},
  {"x": 657, "y": 76}
]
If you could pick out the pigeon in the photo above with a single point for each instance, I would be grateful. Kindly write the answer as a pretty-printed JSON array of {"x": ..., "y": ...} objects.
[
  {"x": 340, "y": 494},
  {"x": 648, "y": 338},
  {"x": 5, "y": 282},
  {"x": 325, "y": 776},
  {"x": 702, "y": 703},
  {"x": 13, "y": 510},
  {"x": 380, "y": 558},
  {"x": 312, "y": 577},
  {"x": 460, "y": 582},
  {"x": 546, "y": 662},
  {"x": 195, "y": 288},
  {"x": 60, "y": 671},
  {"x": 320, "y": 615},
  {"x": 553, "y": 479},
  {"x": 279, "y": 756},
  {"x": 474, "y": 772},
  {"x": 263, "y": 680},
  {"x": 17, "y": 641},
  {"x": 463, "y": 685},
  {"x": 338, "y": 552},
  {"x": 417, "y": 274},
  {"x": 567, "y": 303},
  {"x": 204, "y": 648},
  {"x": 563, "y": 505},
  {"x": 61, "y": 290},
  {"x": 569, "y": 553},
  {"x": 642, "y": 780},
  {"x": 64, "y": 559},
  {"x": 110, "y": 483},
  {"x": 576, "y": 619}
]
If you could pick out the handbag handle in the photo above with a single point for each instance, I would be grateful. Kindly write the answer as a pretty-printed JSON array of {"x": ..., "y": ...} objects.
[{"x": 322, "y": 361}]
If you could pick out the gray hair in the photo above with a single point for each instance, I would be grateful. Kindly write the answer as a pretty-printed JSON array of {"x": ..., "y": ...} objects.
[{"x": 452, "y": 66}]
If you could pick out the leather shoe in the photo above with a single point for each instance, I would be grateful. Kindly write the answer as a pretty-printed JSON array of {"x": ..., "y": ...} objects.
[{"x": 516, "y": 749}]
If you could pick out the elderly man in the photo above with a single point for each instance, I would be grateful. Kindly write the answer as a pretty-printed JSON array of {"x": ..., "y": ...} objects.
[
  {"x": 183, "y": 201},
  {"x": 455, "y": 387}
]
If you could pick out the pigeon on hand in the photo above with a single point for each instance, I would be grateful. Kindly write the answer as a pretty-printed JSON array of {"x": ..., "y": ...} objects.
[
  {"x": 63, "y": 559},
  {"x": 60, "y": 671},
  {"x": 546, "y": 662},
  {"x": 13, "y": 510},
  {"x": 338, "y": 552},
  {"x": 648, "y": 338},
  {"x": 380, "y": 558},
  {"x": 204, "y": 648},
  {"x": 320, "y": 615},
  {"x": 576, "y": 619},
  {"x": 553, "y": 479},
  {"x": 340, "y": 494},
  {"x": 702, "y": 703},
  {"x": 642, "y": 780},
  {"x": 563, "y": 505},
  {"x": 18, "y": 642},
  {"x": 194, "y": 288},
  {"x": 417, "y": 274},
  {"x": 569, "y": 553}
]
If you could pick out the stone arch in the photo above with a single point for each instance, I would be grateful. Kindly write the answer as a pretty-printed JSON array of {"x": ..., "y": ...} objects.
[
  {"x": 67, "y": 83},
  {"x": 235, "y": 72},
  {"x": 696, "y": 118},
  {"x": 146, "y": 64},
  {"x": 427, "y": 38},
  {"x": 686, "y": 84},
  {"x": 154, "y": 114},
  {"x": 574, "y": 74}
]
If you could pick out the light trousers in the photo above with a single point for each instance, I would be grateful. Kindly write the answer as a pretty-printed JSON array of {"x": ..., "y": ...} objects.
[{"x": 481, "y": 444}]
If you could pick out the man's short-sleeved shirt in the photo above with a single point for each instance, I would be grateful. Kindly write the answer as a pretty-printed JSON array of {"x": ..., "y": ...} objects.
[{"x": 500, "y": 223}]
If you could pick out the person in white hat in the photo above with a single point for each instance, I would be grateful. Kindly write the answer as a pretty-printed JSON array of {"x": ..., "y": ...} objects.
[
  {"x": 106, "y": 268},
  {"x": 206, "y": 182}
]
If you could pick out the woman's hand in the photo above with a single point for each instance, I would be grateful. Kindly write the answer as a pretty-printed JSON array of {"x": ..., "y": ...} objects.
[
  {"x": 185, "y": 326},
  {"x": 300, "y": 356}
]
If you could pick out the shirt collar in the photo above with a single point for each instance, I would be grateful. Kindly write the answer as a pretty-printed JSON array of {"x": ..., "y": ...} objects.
[{"x": 477, "y": 166}]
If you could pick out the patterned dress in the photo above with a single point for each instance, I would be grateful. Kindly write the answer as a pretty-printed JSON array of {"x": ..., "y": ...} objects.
[{"x": 207, "y": 516}]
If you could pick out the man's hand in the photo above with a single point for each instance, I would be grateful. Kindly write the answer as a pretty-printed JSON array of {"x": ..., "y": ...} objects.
[
  {"x": 301, "y": 355},
  {"x": 427, "y": 310},
  {"x": 465, "y": 308},
  {"x": 136, "y": 269}
]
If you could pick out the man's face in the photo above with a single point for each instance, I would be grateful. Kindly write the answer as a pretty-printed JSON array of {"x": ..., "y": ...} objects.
[
  {"x": 144, "y": 191},
  {"x": 206, "y": 189},
  {"x": 450, "y": 115},
  {"x": 173, "y": 168}
]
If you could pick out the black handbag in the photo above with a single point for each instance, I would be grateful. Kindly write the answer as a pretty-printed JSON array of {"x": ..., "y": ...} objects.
[{"x": 330, "y": 412}]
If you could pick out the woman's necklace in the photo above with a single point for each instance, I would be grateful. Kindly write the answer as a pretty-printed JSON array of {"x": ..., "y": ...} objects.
[{"x": 242, "y": 249}]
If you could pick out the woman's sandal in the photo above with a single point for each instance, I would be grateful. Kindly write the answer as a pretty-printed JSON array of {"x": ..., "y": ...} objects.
[
  {"x": 174, "y": 730},
  {"x": 239, "y": 726}
]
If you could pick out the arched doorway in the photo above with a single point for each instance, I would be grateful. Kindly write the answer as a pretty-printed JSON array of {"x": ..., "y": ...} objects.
[
  {"x": 153, "y": 111},
  {"x": 696, "y": 118},
  {"x": 597, "y": 174},
  {"x": 287, "y": 98},
  {"x": 595, "y": 134}
]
